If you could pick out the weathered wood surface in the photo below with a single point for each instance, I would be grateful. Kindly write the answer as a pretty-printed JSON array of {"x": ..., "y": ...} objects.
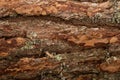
[
  {"x": 106, "y": 13},
  {"x": 50, "y": 40}
]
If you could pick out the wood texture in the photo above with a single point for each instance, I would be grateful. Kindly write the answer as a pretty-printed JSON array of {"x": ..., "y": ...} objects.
[{"x": 59, "y": 40}]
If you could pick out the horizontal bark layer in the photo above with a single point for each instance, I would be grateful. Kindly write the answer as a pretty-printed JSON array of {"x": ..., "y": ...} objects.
[{"x": 106, "y": 13}]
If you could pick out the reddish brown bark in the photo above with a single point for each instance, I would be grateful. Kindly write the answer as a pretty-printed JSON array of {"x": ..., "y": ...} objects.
[{"x": 57, "y": 40}]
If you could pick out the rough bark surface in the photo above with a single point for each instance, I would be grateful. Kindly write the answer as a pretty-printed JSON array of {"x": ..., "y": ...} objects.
[{"x": 59, "y": 40}]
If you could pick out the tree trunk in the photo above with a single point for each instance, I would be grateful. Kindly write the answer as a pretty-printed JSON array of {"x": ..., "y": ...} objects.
[{"x": 59, "y": 40}]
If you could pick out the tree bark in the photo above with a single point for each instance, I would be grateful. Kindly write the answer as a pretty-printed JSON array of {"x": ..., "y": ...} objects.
[{"x": 59, "y": 40}]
